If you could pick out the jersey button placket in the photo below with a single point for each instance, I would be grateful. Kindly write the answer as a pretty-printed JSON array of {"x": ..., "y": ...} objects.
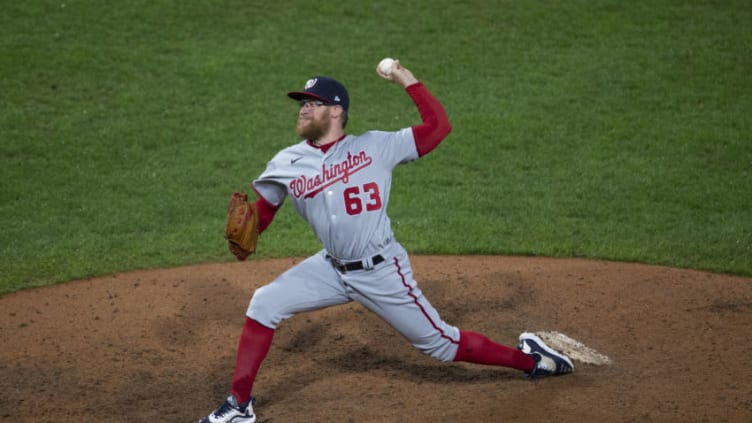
[
  {"x": 330, "y": 205},
  {"x": 331, "y": 211}
]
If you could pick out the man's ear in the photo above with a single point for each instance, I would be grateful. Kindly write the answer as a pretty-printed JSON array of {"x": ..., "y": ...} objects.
[{"x": 337, "y": 110}]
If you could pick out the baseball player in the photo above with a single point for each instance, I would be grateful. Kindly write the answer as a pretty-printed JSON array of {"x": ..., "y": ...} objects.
[{"x": 340, "y": 184}]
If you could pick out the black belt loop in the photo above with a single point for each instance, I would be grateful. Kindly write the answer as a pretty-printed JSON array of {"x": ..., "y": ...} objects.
[{"x": 349, "y": 266}]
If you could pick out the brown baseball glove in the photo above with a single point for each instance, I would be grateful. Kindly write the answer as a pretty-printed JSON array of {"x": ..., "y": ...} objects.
[{"x": 241, "y": 229}]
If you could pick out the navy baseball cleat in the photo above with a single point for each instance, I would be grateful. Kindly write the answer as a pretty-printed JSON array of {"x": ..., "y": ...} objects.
[
  {"x": 231, "y": 412},
  {"x": 548, "y": 362}
]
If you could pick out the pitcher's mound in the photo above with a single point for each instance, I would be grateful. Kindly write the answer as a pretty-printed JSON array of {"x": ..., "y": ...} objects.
[{"x": 649, "y": 343}]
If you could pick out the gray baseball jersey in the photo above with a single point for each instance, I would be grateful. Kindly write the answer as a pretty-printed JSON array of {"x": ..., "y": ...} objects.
[{"x": 343, "y": 194}]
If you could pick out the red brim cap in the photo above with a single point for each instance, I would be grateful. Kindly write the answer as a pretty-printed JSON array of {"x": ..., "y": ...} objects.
[
  {"x": 325, "y": 89},
  {"x": 300, "y": 95}
]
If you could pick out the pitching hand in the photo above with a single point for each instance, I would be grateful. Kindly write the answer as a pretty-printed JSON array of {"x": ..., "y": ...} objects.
[{"x": 399, "y": 75}]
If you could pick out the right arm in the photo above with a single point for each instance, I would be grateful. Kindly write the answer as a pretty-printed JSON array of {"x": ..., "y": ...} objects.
[{"x": 435, "y": 126}]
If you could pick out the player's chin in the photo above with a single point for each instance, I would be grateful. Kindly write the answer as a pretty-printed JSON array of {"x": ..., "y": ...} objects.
[
  {"x": 303, "y": 124},
  {"x": 301, "y": 130},
  {"x": 309, "y": 131}
]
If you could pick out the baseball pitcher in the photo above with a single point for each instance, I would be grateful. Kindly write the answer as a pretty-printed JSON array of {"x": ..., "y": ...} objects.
[{"x": 340, "y": 184}]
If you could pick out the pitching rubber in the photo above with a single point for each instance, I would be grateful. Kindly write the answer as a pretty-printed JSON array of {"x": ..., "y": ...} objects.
[{"x": 574, "y": 349}]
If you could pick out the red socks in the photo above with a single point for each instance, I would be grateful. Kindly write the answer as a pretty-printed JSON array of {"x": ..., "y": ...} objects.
[
  {"x": 477, "y": 348},
  {"x": 254, "y": 344},
  {"x": 256, "y": 339}
]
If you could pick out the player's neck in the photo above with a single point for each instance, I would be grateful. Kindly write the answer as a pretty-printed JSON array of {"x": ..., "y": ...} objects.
[
  {"x": 325, "y": 147},
  {"x": 329, "y": 138}
]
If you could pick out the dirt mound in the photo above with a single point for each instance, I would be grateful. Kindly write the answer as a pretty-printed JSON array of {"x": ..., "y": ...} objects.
[{"x": 160, "y": 346}]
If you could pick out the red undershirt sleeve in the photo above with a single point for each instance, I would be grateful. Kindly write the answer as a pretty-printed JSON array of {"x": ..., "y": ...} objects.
[
  {"x": 435, "y": 127},
  {"x": 266, "y": 212}
]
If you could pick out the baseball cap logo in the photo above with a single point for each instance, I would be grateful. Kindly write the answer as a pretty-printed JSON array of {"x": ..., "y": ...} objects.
[{"x": 310, "y": 83}]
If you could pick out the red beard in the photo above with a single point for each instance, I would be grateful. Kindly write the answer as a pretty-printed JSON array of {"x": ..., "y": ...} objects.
[{"x": 312, "y": 129}]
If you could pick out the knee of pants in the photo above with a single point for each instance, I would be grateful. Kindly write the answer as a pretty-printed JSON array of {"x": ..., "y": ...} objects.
[{"x": 263, "y": 309}]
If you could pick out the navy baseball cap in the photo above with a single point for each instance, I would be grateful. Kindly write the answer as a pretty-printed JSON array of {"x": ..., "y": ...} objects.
[{"x": 323, "y": 88}]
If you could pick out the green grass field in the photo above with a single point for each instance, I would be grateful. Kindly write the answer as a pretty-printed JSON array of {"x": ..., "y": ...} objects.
[{"x": 608, "y": 130}]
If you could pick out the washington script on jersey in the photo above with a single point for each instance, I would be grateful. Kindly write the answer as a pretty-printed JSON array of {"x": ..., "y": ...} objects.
[{"x": 330, "y": 174}]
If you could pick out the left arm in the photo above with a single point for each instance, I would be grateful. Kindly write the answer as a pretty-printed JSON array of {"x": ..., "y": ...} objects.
[{"x": 266, "y": 212}]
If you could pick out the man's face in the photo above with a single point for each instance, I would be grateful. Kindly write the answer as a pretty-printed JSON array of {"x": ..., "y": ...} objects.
[{"x": 313, "y": 119}]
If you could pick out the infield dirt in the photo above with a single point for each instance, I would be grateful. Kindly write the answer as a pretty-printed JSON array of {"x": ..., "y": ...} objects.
[{"x": 159, "y": 346}]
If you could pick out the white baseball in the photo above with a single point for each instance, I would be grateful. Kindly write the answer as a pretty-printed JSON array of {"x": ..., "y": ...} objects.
[{"x": 385, "y": 65}]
